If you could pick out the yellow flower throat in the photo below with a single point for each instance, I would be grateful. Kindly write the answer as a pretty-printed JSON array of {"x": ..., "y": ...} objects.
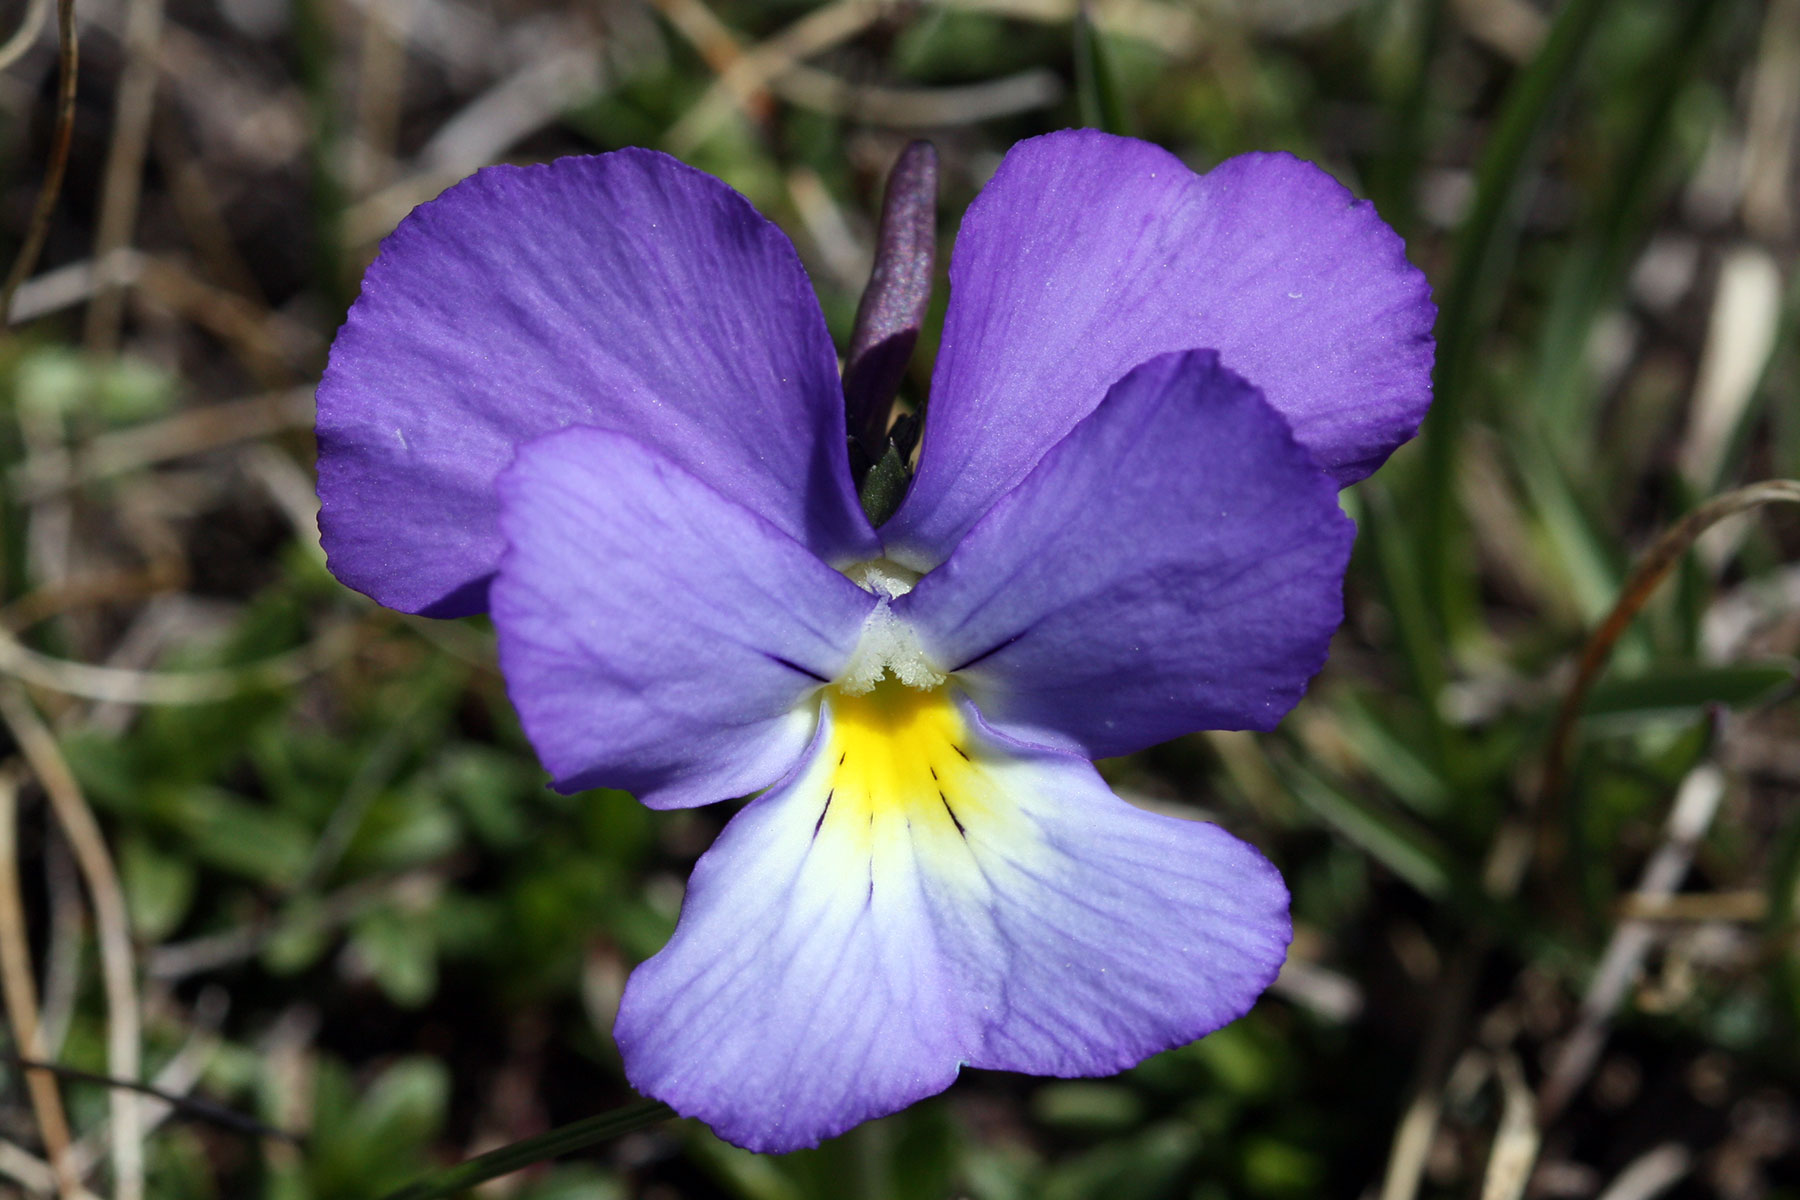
[{"x": 901, "y": 761}]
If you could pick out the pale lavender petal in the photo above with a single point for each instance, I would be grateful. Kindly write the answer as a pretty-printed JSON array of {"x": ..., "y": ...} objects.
[
  {"x": 1112, "y": 933},
  {"x": 1088, "y": 254},
  {"x": 1175, "y": 563},
  {"x": 800, "y": 994},
  {"x": 844, "y": 950},
  {"x": 656, "y": 636},
  {"x": 624, "y": 291}
]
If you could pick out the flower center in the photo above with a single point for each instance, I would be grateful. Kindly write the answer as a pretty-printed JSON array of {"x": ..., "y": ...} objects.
[
  {"x": 883, "y": 577},
  {"x": 903, "y": 764},
  {"x": 889, "y": 646}
]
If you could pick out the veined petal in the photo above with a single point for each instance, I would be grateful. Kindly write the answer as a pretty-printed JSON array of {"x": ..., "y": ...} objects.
[
  {"x": 923, "y": 894},
  {"x": 624, "y": 291},
  {"x": 1088, "y": 254},
  {"x": 656, "y": 636},
  {"x": 1175, "y": 563}
]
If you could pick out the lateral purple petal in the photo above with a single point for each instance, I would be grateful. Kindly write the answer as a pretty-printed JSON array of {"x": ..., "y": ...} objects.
[
  {"x": 623, "y": 291},
  {"x": 655, "y": 635},
  {"x": 1088, "y": 254},
  {"x": 842, "y": 954},
  {"x": 1175, "y": 563}
]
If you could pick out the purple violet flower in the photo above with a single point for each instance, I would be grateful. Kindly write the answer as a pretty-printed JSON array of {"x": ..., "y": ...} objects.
[{"x": 597, "y": 398}]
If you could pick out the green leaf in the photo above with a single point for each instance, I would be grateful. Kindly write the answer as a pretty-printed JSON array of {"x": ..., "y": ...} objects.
[
  {"x": 1096, "y": 1107},
  {"x": 1592, "y": 272},
  {"x": 490, "y": 787},
  {"x": 744, "y": 1174},
  {"x": 1580, "y": 547},
  {"x": 1392, "y": 757},
  {"x": 1275, "y": 1167},
  {"x": 1484, "y": 253},
  {"x": 1383, "y": 833},
  {"x": 244, "y": 838},
  {"x": 1141, "y": 1168},
  {"x": 159, "y": 888},
  {"x": 401, "y": 954},
  {"x": 1241, "y": 1060},
  {"x": 403, "y": 827},
  {"x": 578, "y": 1183},
  {"x": 300, "y": 937},
  {"x": 1678, "y": 689},
  {"x": 1096, "y": 83},
  {"x": 406, "y": 1105},
  {"x": 363, "y": 1145},
  {"x": 56, "y": 381}
]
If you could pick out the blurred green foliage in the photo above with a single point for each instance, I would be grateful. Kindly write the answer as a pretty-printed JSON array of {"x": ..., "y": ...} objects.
[{"x": 362, "y": 916}]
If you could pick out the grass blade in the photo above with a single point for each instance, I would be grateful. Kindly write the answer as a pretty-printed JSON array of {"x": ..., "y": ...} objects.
[
  {"x": 1096, "y": 83},
  {"x": 529, "y": 1151},
  {"x": 1483, "y": 252}
]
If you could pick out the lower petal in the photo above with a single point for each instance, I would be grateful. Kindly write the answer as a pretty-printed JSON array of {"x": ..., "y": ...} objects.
[{"x": 922, "y": 895}]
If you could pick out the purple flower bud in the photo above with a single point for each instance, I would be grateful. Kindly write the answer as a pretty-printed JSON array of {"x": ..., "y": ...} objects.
[{"x": 893, "y": 305}]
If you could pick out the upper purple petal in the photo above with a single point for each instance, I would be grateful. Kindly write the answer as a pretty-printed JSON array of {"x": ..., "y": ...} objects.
[
  {"x": 624, "y": 291},
  {"x": 1175, "y": 563},
  {"x": 1088, "y": 254},
  {"x": 655, "y": 635}
]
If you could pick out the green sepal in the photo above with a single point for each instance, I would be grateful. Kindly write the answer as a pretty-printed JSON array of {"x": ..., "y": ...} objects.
[{"x": 884, "y": 487}]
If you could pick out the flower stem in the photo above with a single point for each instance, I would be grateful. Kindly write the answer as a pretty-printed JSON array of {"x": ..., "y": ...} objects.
[
  {"x": 1651, "y": 570},
  {"x": 521, "y": 1154}
]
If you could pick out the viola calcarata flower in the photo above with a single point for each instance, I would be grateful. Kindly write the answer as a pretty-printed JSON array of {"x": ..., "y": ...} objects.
[{"x": 597, "y": 398}]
